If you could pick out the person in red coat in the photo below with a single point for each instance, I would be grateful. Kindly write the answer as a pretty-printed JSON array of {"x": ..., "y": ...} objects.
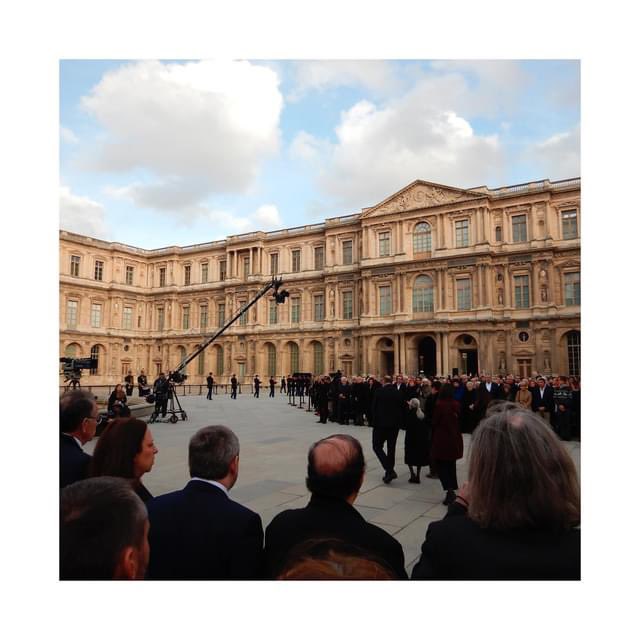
[{"x": 446, "y": 443}]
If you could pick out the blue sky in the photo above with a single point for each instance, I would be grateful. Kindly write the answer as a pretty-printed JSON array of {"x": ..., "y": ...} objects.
[{"x": 154, "y": 153}]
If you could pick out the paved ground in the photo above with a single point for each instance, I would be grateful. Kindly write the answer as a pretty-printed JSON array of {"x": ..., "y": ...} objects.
[{"x": 274, "y": 440}]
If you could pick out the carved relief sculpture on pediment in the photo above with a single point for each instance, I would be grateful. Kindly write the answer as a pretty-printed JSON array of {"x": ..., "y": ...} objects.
[{"x": 421, "y": 195}]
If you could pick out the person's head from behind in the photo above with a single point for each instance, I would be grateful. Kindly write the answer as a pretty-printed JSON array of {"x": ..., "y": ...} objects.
[
  {"x": 446, "y": 392},
  {"x": 214, "y": 454},
  {"x": 333, "y": 559},
  {"x": 520, "y": 475},
  {"x": 79, "y": 415},
  {"x": 125, "y": 449},
  {"x": 335, "y": 467},
  {"x": 103, "y": 531}
]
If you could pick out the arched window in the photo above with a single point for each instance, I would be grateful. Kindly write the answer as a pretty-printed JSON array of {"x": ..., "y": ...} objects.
[
  {"x": 294, "y": 357},
  {"x": 423, "y": 294},
  {"x": 71, "y": 350},
  {"x": 182, "y": 352},
  {"x": 95, "y": 354},
  {"x": 318, "y": 359},
  {"x": 271, "y": 360},
  {"x": 201, "y": 363},
  {"x": 573, "y": 347},
  {"x": 219, "y": 361},
  {"x": 422, "y": 237}
]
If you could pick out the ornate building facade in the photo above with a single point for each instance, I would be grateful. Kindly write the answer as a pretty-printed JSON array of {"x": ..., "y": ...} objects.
[{"x": 433, "y": 279}]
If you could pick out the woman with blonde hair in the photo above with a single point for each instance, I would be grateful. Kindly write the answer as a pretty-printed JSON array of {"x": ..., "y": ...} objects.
[
  {"x": 524, "y": 397},
  {"x": 416, "y": 441}
]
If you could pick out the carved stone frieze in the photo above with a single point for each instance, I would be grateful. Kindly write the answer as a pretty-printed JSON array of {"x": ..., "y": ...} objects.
[{"x": 421, "y": 196}]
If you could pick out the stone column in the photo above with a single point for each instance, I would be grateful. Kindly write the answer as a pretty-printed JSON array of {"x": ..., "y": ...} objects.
[
  {"x": 508, "y": 295},
  {"x": 439, "y": 352},
  {"x": 445, "y": 352},
  {"x": 403, "y": 356}
]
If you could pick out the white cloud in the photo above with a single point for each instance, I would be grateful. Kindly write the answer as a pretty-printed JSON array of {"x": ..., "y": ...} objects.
[
  {"x": 66, "y": 135},
  {"x": 82, "y": 215},
  {"x": 196, "y": 128},
  {"x": 559, "y": 155},
  {"x": 264, "y": 218},
  {"x": 267, "y": 217}
]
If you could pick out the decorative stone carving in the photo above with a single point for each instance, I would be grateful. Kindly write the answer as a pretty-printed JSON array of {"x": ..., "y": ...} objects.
[{"x": 421, "y": 196}]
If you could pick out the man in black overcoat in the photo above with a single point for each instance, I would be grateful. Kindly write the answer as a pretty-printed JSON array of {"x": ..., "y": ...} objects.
[
  {"x": 542, "y": 399},
  {"x": 78, "y": 421},
  {"x": 335, "y": 473},
  {"x": 488, "y": 390},
  {"x": 209, "y": 385}
]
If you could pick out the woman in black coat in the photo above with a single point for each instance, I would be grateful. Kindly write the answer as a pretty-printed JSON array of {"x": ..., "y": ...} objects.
[
  {"x": 416, "y": 441},
  {"x": 469, "y": 412},
  {"x": 117, "y": 403}
]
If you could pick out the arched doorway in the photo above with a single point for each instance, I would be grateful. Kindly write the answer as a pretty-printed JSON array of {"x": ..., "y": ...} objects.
[
  {"x": 573, "y": 352},
  {"x": 386, "y": 363},
  {"x": 427, "y": 364},
  {"x": 467, "y": 354}
]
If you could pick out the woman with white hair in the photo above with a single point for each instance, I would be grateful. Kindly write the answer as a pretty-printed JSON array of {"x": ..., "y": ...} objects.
[{"x": 416, "y": 441}]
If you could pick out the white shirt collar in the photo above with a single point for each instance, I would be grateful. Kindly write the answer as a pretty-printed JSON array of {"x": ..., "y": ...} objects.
[{"x": 214, "y": 483}]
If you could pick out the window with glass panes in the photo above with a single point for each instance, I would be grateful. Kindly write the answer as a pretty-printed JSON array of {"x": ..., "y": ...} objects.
[
  {"x": 347, "y": 305},
  {"x": 423, "y": 295},
  {"x": 318, "y": 359},
  {"x": 569, "y": 224},
  {"x": 243, "y": 317},
  {"x": 221, "y": 314},
  {"x": 186, "y": 313},
  {"x": 187, "y": 274},
  {"x": 223, "y": 269},
  {"x": 384, "y": 243},
  {"x": 204, "y": 272},
  {"x": 318, "y": 257},
  {"x": 347, "y": 252},
  {"x": 384, "y": 295},
  {"x": 128, "y": 276},
  {"x": 204, "y": 316},
  {"x": 201, "y": 363},
  {"x": 246, "y": 267},
  {"x": 127, "y": 318},
  {"x": 573, "y": 348},
  {"x": 463, "y": 293},
  {"x": 273, "y": 312},
  {"x": 163, "y": 277},
  {"x": 72, "y": 314},
  {"x": 422, "y": 237},
  {"x": 295, "y": 309},
  {"x": 160, "y": 312},
  {"x": 96, "y": 315},
  {"x": 295, "y": 260},
  {"x": 274, "y": 264},
  {"x": 519, "y": 228},
  {"x": 318, "y": 307},
  {"x": 99, "y": 268},
  {"x": 521, "y": 291},
  {"x": 219, "y": 361},
  {"x": 95, "y": 355},
  {"x": 462, "y": 233},
  {"x": 294, "y": 357},
  {"x": 572, "y": 288},
  {"x": 75, "y": 266},
  {"x": 271, "y": 360},
  {"x": 498, "y": 234}
]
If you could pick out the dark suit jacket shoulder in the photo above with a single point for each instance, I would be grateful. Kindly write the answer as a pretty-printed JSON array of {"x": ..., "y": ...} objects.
[
  {"x": 201, "y": 533},
  {"x": 329, "y": 518},
  {"x": 388, "y": 407},
  {"x": 74, "y": 462},
  {"x": 458, "y": 548}
]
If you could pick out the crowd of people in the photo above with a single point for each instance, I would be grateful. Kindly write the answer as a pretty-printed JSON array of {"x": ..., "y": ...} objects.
[{"x": 517, "y": 516}]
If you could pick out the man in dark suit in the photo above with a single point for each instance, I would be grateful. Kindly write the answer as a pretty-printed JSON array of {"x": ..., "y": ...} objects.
[
  {"x": 209, "y": 385},
  {"x": 389, "y": 410},
  {"x": 488, "y": 390},
  {"x": 199, "y": 533},
  {"x": 78, "y": 422},
  {"x": 335, "y": 474},
  {"x": 234, "y": 387},
  {"x": 542, "y": 399}
]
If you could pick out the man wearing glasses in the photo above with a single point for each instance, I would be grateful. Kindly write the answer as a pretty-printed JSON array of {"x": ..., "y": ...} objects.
[{"x": 78, "y": 421}]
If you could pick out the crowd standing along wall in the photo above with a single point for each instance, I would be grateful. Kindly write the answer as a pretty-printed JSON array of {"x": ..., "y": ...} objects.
[{"x": 433, "y": 279}]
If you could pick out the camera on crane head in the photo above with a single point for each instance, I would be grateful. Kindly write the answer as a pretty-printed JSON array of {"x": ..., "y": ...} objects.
[{"x": 279, "y": 296}]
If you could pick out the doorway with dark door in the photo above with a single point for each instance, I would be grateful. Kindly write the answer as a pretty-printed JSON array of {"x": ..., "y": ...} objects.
[
  {"x": 469, "y": 361},
  {"x": 427, "y": 356}
]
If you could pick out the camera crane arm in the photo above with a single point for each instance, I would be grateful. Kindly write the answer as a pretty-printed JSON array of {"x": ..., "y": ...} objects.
[{"x": 280, "y": 297}]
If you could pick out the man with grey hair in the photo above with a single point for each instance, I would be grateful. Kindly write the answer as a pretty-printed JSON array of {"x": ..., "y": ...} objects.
[{"x": 199, "y": 533}]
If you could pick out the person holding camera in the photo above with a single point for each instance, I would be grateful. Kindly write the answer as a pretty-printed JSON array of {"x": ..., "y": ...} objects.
[
  {"x": 117, "y": 403},
  {"x": 128, "y": 380},
  {"x": 161, "y": 388},
  {"x": 143, "y": 388}
]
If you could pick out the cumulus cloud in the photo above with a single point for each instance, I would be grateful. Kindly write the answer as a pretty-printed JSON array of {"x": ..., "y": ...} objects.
[
  {"x": 264, "y": 218},
  {"x": 559, "y": 155},
  {"x": 66, "y": 135},
  {"x": 81, "y": 215},
  {"x": 196, "y": 128}
]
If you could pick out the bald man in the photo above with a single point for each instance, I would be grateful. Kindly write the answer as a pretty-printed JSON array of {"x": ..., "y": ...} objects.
[{"x": 335, "y": 473}]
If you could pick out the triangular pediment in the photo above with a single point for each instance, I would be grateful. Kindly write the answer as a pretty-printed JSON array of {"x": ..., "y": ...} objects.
[{"x": 421, "y": 194}]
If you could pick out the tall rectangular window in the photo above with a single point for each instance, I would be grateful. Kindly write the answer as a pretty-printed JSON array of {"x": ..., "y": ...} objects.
[
  {"x": 384, "y": 294},
  {"x": 204, "y": 272},
  {"x": 163, "y": 277},
  {"x": 463, "y": 294},
  {"x": 72, "y": 314},
  {"x": 75, "y": 266},
  {"x": 318, "y": 307},
  {"x": 187, "y": 274},
  {"x": 201, "y": 363},
  {"x": 318, "y": 258},
  {"x": 295, "y": 310},
  {"x": 572, "y": 288},
  {"x": 204, "y": 316},
  {"x": 347, "y": 305},
  {"x": 498, "y": 234},
  {"x": 219, "y": 361},
  {"x": 384, "y": 243},
  {"x": 462, "y": 233},
  {"x": 274, "y": 264},
  {"x": 521, "y": 291},
  {"x": 128, "y": 276},
  {"x": 186, "y": 316},
  {"x": 223, "y": 269},
  {"x": 347, "y": 252},
  {"x": 243, "y": 317},
  {"x": 519, "y": 227},
  {"x": 246, "y": 267},
  {"x": 273, "y": 312},
  {"x": 127, "y": 318},
  {"x": 569, "y": 225},
  {"x": 96, "y": 315},
  {"x": 221, "y": 314},
  {"x": 99, "y": 268},
  {"x": 295, "y": 260},
  {"x": 160, "y": 318}
]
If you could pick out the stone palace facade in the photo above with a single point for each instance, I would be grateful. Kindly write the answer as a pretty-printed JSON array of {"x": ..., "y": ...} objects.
[{"x": 433, "y": 279}]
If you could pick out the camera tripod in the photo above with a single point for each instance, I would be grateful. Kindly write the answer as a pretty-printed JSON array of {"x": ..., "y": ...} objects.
[{"x": 172, "y": 401}]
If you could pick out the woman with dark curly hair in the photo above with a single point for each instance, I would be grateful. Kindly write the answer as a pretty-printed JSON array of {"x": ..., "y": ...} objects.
[{"x": 125, "y": 450}]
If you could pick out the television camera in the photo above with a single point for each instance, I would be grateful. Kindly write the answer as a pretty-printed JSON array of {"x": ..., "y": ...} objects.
[{"x": 72, "y": 369}]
